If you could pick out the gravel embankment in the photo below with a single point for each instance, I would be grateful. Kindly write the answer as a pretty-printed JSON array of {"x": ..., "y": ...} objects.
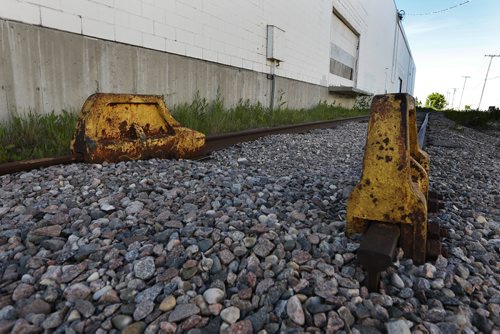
[{"x": 252, "y": 240}]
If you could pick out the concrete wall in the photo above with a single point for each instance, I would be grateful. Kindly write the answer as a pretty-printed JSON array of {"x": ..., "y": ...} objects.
[
  {"x": 68, "y": 49},
  {"x": 44, "y": 69}
]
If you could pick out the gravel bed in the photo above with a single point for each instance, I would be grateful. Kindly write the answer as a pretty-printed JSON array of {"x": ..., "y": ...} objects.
[{"x": 251, "y": 240}]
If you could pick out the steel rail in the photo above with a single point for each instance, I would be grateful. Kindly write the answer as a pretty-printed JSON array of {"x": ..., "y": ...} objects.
[
  {"x": 26, "y": 165},
  {"x": 212, "y": 143},
  {"x": 218, "y": 142},
  {"x": 421, "y": 131}
]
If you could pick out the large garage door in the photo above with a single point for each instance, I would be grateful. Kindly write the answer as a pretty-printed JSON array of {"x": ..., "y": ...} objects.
[{"x": 343, "y": 49}]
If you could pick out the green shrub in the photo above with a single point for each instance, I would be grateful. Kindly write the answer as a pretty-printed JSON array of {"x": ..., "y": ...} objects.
[{"x": 475, "y": 119}]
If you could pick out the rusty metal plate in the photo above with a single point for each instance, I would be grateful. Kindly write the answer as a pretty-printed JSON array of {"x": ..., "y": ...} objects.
[
  {"x": 376, "y": 251},
  {"x": 120, "y": 127}
]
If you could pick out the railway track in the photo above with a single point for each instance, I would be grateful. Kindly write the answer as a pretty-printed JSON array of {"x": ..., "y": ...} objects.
[
  {"x": 265, "y": 234},
  {"x": 212, "y": 143}
]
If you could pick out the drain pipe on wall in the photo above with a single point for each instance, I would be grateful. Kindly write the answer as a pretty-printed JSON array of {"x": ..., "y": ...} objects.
[
  {"x": 275, "y": 49},
  {"x": 272, "y": 76}
]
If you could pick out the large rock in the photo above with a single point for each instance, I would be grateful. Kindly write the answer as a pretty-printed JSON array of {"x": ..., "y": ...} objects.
[
  {"x": 37, "y": 306},
  {"x": 183, "y": 311},
  {"x": 24, "y": 327},
  {"x": 77, "y": 291},
  {"x": 54, "y": 320},
  {"x": 144, "y": 268},
  {"x": 230, "y": 314},
  {"x": 397, "y": 327},
  {"x": 143, "y": 309},
  {"x": 85, "y": 308},
  {"x": 121, "y": 321},
  {"x": 263, "y": 247},
  {"x": 168, "y": 303},
  {"x": 213, "y": 295},
  {"x": 295, "y": 311},
  {"x": 241, "y": 327},
  {"x": 22, "y": 291}
]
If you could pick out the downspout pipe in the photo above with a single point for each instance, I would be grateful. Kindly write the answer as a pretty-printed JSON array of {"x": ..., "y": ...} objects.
[{"x": 272, "y": 77}]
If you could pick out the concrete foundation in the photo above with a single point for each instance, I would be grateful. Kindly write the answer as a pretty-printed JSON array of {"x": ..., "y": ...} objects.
[{"x": 43, "y": 70}]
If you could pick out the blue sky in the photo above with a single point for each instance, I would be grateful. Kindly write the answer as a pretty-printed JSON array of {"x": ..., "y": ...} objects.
[{"x": 452, "y": 44}]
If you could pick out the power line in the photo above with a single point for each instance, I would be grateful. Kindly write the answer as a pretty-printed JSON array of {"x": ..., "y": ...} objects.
[{"x": 441, "y": 10}]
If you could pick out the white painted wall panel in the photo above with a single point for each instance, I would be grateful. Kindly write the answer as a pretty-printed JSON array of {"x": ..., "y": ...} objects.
[
  {"x": 61, "y": 20},
  {"x": 20, "y": 11},
  {"x": 99, "y": 29},
  {"x": 234, "y": 32},
  {"x": 128, "y": 36}
]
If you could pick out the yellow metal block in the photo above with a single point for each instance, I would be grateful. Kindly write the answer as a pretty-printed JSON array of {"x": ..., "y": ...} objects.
[
  {"x": 118, "y": 127},
  {"x": 386, "y": 192}
]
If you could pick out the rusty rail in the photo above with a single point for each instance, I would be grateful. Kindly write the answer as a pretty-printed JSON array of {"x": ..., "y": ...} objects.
[
  {"x": 218, "y": 142},
  {"x": 25, "y": 165},
  {"x": 212, "y": 143}
]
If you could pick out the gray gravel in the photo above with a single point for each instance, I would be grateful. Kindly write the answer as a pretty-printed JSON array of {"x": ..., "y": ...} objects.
[{"x": 251, "y": 240}]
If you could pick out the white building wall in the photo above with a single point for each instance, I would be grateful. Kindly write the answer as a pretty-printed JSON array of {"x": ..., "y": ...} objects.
[
  {"x": 234, "y": 32},
  {"x": 377, "y": 47}
]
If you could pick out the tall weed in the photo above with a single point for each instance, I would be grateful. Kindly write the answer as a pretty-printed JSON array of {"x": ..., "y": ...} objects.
[
  {"x": 214, "y": 118},
  {"x": 32, "y": 135}
]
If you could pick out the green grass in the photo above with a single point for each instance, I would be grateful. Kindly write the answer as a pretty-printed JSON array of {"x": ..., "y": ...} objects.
[
  {"x": 475, "y": 119},
  {"x": 482, "y": 120},
  {"x": 32, "y": 136},
  {"x": 213, "y": 118}
]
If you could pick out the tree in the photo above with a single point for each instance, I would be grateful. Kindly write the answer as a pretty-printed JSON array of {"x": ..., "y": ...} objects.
[
  {"x": 467, "y": 107},
  {"x": 436, "y": 101},
  {"x": 418, "y": 103}
]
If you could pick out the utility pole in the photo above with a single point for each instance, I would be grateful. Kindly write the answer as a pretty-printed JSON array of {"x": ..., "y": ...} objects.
[
  {"x": 453, "y": 99},
  {"x": 486, "y": 78},
  {"x": 463, "y": 89}
]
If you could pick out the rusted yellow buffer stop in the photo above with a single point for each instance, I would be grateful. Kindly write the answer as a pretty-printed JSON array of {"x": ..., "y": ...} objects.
[
  {"x": 389, "y": 203},
  {"x": 118, "y": 127}
]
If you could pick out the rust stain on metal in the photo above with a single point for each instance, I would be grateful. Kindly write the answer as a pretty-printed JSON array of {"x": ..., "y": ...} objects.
[{"x": 118, "y": 127}]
